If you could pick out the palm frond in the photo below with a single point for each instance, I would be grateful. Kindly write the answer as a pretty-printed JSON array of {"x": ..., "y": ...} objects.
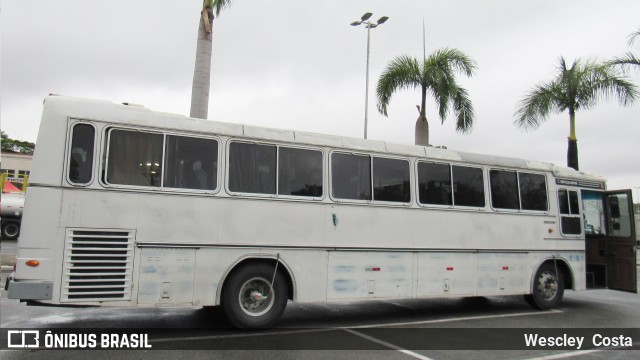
[
  {"x": 402, "y": 73},
  {"x": 442, "y": 96},
  {"x": 635, "y": 36},
  {"x": 601, "y": 82},
  {"x": 535, "y": 108},
  {"x": 579, "y": 86},
  {"x": 435, "y": 74},
  {"x": 626, "y": 62},
  {"x": 452, "y": 60},
  {"x": 464, "y": 111},
  {"x": 219, "y": 5},
  {"x": 440, "y": 82}
]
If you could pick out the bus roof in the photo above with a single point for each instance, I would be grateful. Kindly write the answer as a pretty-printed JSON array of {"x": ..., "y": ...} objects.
[{"x": 62, "y": 108}]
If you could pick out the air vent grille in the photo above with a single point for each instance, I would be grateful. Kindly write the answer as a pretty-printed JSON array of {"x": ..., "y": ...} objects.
[{"x": 98, "y": 265}]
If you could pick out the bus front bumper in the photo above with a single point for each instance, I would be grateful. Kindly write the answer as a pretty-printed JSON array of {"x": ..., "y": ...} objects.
[{"x": 28, "y": 290}]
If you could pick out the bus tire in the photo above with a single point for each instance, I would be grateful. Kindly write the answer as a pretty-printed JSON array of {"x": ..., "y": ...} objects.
[
  {"x": 10, "y": 230},
  {"x": 548, "y": 288},
  {"x": 250, "y": 301}
]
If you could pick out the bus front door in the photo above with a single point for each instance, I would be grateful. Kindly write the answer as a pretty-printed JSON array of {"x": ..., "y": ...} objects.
[{"x": 620, "y": 241}]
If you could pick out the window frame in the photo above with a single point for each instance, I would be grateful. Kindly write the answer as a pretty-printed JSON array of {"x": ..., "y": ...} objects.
[
  {"x": 520, "y": 209},
  {"x": 391, "y": 203},
  {"x": 300, "y": 197},
  {"x": 373, "y": 201},
  {"x": 570, "y": 215},
  {"x": 164, "y": 159},
  {"x": 277, "y": 171},
  {"x": 417, "y": 187},
  {"x": 546, "y": 190},
  {"x": 353, "y": 201},
  {"x": 453, "y": 198},
  {"x": 484, "y": 187},
  {"x": 96, "y": 157},
  {"x": 105, "y": 161}
]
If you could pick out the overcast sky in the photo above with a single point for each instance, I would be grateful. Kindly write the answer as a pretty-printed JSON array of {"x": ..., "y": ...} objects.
[{"x": 299, "y": 65}]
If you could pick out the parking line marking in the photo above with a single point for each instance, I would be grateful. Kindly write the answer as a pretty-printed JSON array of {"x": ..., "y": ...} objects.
[
  {"x": 630, "y": 302},
  {"x": 231, "y": 336},
  {"x": 389, "y": 345},
  {"x": 466, "y": 318},
  {"x": 294, "y": 331},
  {"x": 565, "y": 355}
]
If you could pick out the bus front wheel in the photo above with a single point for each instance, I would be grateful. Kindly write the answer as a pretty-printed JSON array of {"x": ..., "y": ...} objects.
[
  {"x": 253, "y": 297},
  {"x": 548, "y": 288}
]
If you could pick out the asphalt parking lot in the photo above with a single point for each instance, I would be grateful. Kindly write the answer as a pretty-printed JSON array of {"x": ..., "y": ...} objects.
[
  {"x": 478, "y": 328},
  {"x": 382, "y": 329}
]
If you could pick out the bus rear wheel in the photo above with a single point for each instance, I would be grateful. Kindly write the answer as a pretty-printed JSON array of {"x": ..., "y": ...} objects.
[
  {"x": 249, "y": 298},
  {"x": 548, "y": 288}
]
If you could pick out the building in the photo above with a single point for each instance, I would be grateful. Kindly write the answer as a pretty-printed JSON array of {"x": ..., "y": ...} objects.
[
  {"x": 15, "y": 163},
  {"x": 15, "y": 168}
]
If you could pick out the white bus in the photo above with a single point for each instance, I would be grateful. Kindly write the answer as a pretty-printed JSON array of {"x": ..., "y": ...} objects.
[{"x": 129, "y": 207}]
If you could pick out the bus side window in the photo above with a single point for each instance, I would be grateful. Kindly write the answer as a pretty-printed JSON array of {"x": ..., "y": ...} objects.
[
  {"x": 134, "y": 158},
  {"x": 468, "y": 186},
  {"x": 391, "y": 180},
  {"x": 81, "y": 154},
  {"x": 252, "y": 168},
  {"x": 299, "y": 172},
  {"x": 593, "y": 207},
  {"x": 570, "y": 223},
  {"x": 619, "y": 215},
  {"x": 533, "y": 192},
  {"x": 434, "y": 181},
  {"x": 191, "y": 163},
  {"x": 351, "y": 176},
  {"x": 504, "y": 189}
]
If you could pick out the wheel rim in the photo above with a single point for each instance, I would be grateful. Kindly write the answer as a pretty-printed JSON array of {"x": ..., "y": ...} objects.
[
  {"x": 11, "y": 230},
  {"x": 548, "y": 285},
  {"x": 256, "y": 296}
]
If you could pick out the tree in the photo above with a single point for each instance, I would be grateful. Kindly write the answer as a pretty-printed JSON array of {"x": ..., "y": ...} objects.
[
  {"x": 202, "y": 70},
  {"x": 16, "y": 146},
  {"x": 437, "y": 75},
  {"x": 629, "y": 60},
  {"x": 578, "y": 87}
]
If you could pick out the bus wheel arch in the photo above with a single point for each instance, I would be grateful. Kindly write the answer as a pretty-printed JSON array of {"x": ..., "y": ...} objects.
[
  {"x": 550, "y": 280},
  {"x": 246, "y": 293}
]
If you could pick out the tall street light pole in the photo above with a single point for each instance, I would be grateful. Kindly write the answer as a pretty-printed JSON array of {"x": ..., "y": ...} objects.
[{"x": 369, "y": 25}]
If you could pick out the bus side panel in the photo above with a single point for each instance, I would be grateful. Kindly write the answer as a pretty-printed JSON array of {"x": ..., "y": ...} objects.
[
  {"x": 446, "y": 273},
  {"x": 40, "y": 237},
  {"x": 178, "y": 219},
  {"x": 470, "y": 230},
  {"x": 502, "y": 273},
  {"x": 362, "y": 275},
  {"x": 270, "y": 223},
  {"x": 369, "y": 226},
  {"x": 166, "y": 276},
  {"x": 99, "y": 209},
  {"x": 175, "y": 219}
]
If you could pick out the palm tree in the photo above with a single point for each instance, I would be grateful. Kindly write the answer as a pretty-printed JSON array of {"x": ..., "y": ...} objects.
[
  {"x": 436, "y": 74},
  {"x": 578, "y": 87},
  {"x": 629, "y": 59},
  {"x": 202, "y": 70}
]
